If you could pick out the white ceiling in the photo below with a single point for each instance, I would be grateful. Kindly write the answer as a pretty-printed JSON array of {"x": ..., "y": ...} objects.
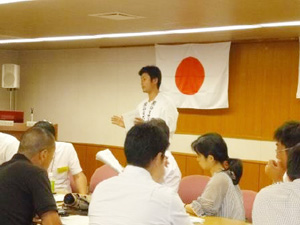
[{"x": 44, "y": 18}]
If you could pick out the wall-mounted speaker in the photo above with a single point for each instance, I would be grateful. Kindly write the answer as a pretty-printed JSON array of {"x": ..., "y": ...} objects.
[{"x": 10, "y": 76}]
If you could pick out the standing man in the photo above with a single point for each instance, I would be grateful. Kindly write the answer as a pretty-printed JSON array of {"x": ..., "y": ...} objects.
[
  {"x": 156, "y": 106},
  {"x": 8, "y": 147},
  {"x": 65, "y": 161},
  {"x": 286, "y": 136},
  {"x": 135, "y": 197},
  {"x": 24, "y": 184}
]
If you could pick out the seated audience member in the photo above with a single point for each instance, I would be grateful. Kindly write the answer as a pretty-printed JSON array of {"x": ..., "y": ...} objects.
[
  {"x": 8, "y": 147},
  {"x": 286, "y": 136},
  {"x": 24, "y": 184},
  {"x": 172, "y": 175},
  {"x": 65, "y": 161},
  {"x": 222, "y": 196},
  {"x": 134, "y": 196},
  {"x": 279, "y": 204}
]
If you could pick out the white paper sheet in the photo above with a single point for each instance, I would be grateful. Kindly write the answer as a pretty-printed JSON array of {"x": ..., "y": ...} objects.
[
  {"x": 108, "y": 158},
  {"x": 75, "y": 220},
  {"x": 197, "y": 220},
  {"x": 128, "y": 119}
]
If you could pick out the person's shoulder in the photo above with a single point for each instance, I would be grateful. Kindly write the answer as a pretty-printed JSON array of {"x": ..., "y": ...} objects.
[
  {"x": 8, "y": 137},
  {"x": 63, "y": 146}
]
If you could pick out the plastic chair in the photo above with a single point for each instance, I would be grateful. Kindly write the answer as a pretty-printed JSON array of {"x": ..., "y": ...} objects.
[
  {"x": 102, "y": 173},
  {"x": 248, "y": 197},
  {"x": 191, "y": 187}
]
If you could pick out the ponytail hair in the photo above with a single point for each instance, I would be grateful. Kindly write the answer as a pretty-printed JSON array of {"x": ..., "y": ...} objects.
[
  {"x": 234, "y": 170},
  {"x": 213, "y": 144}
]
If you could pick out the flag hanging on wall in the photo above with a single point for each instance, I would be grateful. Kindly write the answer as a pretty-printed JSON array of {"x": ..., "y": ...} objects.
[
  {"x": 298, "y": 89},
  {"x": 195, "y": 75}
]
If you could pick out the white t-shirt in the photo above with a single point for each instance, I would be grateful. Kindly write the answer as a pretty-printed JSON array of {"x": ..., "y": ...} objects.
[
  {"x": 278, "y": 204},
  {"x": 9, "y": 146},
  {"x": 161, "y": 107},
  {"x": 172, "y": 175},
  {"x": 134, "y": 198},
  {"x": 65, "y": 161}
]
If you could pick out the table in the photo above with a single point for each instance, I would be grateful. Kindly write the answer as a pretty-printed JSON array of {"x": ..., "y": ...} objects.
[{"x": 209, "y": 220}]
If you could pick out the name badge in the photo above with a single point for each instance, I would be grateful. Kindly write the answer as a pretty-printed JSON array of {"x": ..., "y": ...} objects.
[{"x": 63, "y": 169}]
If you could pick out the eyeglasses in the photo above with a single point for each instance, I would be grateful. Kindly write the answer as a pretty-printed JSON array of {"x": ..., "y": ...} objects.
[{"x": 282, "y": 150}]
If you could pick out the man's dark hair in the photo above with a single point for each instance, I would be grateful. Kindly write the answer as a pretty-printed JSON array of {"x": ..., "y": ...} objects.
[
  {"x": 161, "y": 124},
  {"x": 142, "y": 144},
  {"x": 46, "y": 125},
  {"x": 288, "y": 134},
  {"x": 153, "y": 72},
  {"x": 293, "y": 164},
  {"x": 35, "y": 140}
]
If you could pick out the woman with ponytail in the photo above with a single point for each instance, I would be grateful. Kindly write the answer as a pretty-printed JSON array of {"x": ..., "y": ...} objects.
[{"x": 222, "y": 196}]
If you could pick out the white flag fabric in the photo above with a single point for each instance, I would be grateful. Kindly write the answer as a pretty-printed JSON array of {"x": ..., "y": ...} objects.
[
  {"x": 195, "y": 75},
  {"x": 298, "y": 89}
]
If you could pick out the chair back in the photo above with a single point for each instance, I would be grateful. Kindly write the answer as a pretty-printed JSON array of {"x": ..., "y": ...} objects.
[
  {"x": 248, "y": 197},
  {"x": 191, "y": 187},
  {"x": 102, "y": 173}
]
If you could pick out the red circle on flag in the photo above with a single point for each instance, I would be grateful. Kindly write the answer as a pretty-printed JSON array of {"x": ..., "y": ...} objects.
[{"x": 189, "y": 76}]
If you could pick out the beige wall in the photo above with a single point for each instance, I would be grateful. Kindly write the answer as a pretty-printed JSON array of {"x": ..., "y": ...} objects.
[{"x": 81, "y": 89}]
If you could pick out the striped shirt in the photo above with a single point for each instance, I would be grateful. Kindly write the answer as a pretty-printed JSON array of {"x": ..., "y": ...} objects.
[
  {"x": 220, "y": 198},
  {"x": 278, "y": 204}
]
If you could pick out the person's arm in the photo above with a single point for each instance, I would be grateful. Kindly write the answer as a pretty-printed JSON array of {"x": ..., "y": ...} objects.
[
  {"x": 80, "y": 182},
  {"x": 50, "y": 218},
  {"x": 274, "y": 171},
  {"x": 118, "y": 120},
  {"x": 178, "y": 214}
]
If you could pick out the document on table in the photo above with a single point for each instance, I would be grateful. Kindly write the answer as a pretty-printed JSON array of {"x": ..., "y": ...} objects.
[
  {"x": 75, "y": 220},
  {"x": 197, "y": 220}
]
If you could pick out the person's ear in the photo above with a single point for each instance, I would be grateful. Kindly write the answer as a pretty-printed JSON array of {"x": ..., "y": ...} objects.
[
  {"x": 155, "y": 80},
  {"x": 210, "y": 158},
  {"x": 43, "y": 154}
]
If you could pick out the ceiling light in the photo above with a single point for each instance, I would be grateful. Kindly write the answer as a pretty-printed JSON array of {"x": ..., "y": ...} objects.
[{"x": 152, "y": 33}]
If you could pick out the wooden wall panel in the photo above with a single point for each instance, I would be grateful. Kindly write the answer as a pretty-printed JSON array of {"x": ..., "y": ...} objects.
[
  {"x": 263, "y": 80},
  {"x": 253, "y": 177},
  {"x": 250, "y": 178},
  {"x": 181, "y": 162},
  {"x": 263, "y": 179}
]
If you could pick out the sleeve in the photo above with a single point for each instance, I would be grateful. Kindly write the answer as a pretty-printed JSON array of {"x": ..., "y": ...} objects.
[
  {"x": 170, "y": 115},
  {"x": 43, "y": 199},
  {"x": 74, "y": 164},
  {"x": 211, "y": 199},
  {"x": 172, "y": 175},
  {"x": 12, "y": 148},
  {"x": 178, "y": 214}
]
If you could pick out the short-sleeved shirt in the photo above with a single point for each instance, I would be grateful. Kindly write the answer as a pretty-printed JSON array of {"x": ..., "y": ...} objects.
[
  {"x": 220, "y": 198},
  {"x": 8, "y": 147},
  {"x": 65, "y": 161},
  {"x": 278, "y": 204},
  {"x": 134, "y": 198},
  {"x": 24, "y": 191}
]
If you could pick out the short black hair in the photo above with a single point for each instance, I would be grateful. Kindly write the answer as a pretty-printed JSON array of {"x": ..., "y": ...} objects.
[
  {"x": 153, "y": 72},
  {"x": 293, "y": 164},
  {"x": 161, "y": 124},
  {"x": 288, "y": 134},
  {"x": 34, "y": 140},
  {"x": 142, "y": 144},
  {"x": 46, "y": 125}
]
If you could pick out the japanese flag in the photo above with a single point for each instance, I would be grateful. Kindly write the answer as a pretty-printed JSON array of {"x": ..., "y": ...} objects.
[{"x": 195, "y": 75}]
